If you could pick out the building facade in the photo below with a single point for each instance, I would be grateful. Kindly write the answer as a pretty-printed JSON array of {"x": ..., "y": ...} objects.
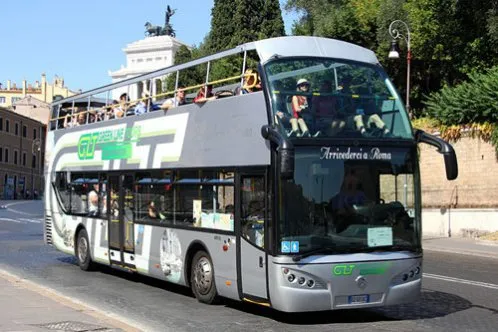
[
  {"x": 21, "y": 155},
  {"x": 41, "y": 90},
  {"x": 144, "y": 56}
]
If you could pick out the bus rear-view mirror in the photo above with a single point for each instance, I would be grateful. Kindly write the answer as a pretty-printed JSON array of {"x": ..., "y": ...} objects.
[
  {"x": 285, "y": 151},
  {"x": 443, "y": 147}
]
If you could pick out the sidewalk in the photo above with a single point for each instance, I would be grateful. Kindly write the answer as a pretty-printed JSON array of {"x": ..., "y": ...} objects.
[
  {"x": 25, "y": 306},
  {"x": 462, "y": 246}
]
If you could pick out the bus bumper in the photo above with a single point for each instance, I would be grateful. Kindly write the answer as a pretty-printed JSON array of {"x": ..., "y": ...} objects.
[{"x": 349, "y": 292}]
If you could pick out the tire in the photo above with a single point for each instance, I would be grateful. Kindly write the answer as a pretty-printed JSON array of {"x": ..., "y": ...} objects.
[
  {"x": 83, "y": 251},
  {"x": 202, "y": 278}
]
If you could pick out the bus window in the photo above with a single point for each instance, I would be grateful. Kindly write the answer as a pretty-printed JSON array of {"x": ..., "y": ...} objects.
[
  {"x": 331, "y": 98},
  {"x": 253, "y": 209},
  {"x": 63, "y": 189}
]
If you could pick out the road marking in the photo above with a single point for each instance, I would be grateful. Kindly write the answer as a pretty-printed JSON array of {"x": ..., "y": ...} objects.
[
  {"x": 13, "y": 220},
  {"x": 36, "y": 221},
  {"x": 461, "y": 281}
]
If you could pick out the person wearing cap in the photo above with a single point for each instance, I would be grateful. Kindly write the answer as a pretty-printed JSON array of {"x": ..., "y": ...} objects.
[{"x": 300, "y": 105}]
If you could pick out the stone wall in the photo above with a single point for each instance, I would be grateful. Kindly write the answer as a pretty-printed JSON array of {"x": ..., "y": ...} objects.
[{"x": 477, "y": 182}]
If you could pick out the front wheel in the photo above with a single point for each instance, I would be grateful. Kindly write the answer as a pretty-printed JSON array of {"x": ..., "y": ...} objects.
[
  {"x": 83, "y": 251},
  {"x": 202, "y": 278}
]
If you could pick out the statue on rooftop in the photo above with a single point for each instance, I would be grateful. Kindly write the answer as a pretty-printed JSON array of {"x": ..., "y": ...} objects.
[{"x": 156, "y": 30}]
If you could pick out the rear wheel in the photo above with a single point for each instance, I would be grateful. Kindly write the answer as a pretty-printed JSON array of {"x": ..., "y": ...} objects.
[
  {"x": 202, "y": 278},
  {"x": 83, "y": 251}
]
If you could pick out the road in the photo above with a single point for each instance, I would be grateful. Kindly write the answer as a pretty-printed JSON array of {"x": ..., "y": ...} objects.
[{"x": 460, "y": 292}]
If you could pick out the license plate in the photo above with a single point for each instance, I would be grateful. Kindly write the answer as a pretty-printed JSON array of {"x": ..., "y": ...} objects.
[{"x": 358, "y": 299}]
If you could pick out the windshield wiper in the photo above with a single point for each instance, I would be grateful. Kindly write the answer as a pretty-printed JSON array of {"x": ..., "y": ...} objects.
[{"x": 321, "y": 250}]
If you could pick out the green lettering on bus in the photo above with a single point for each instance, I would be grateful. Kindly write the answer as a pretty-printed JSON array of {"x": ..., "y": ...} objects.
[
  {"x": 86, "y": 146},
  {"x": 343, "y": 269}
]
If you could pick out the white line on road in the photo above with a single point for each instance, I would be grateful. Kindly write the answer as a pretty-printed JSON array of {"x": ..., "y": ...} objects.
[
  {"x": 13, "y": 220},
  {"x": 36, "y": 221},
  {"x": 461, "y": 281}
]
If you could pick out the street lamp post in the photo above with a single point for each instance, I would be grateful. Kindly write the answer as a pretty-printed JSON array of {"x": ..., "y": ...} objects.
[
  {"x": 35, "y": 147},
  {"x": 394, "y": 54}
]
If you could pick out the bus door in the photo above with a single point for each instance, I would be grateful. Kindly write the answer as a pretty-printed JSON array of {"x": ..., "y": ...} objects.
[
  {"x": 121, "y": 207},
  {"x": 252, "y": 220}
]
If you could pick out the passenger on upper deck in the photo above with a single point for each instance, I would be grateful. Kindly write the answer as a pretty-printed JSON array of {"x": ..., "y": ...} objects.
[
  {"x": 205, "y": 94},
  {"x": 124, "y": 106},
  {"x": 281, "y": 111},
  {"x": 325, "y": 109},
  {"x": 363, "y": 111},
  {"x": 300, "y": 106},
  {"x": 80, "y": 119},
  {"x": 175, "y": 101},
  {"x": 251, "y": 83}
]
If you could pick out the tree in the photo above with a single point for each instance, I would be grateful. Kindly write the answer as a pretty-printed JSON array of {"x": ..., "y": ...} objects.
[
  {"x": 187, "y": 77},
  {"x": 236, "y": 22},
  {"x": 272, "y": 24},
  {"x": 449, "y": 38},
  {"x": 222, "y": 26}
]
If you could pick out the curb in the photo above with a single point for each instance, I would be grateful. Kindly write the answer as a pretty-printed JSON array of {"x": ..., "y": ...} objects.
[
  {"x": 461, "y": 252},
  {"x": 487, "y": 242},
  {"x": 112, "y": 319}
]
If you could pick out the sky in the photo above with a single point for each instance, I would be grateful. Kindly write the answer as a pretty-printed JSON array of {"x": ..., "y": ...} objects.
[{"x": 82, "y": 41}]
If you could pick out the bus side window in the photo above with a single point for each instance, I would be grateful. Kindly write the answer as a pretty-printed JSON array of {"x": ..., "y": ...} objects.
[{"x": 253, "y": 209}]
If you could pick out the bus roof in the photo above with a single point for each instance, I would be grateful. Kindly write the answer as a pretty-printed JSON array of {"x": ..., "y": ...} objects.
[
  {"x": 289, "y": 46},
  {"x": 305, "y": 46}
]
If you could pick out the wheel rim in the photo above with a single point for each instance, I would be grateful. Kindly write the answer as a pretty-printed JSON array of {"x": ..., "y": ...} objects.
[
  {"x": 203, "y": 275},
  {"x": 82, "y": 249}
]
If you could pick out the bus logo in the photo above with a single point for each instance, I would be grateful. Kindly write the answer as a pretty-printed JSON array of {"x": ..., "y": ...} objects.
[
  {"x": 86, "y": 146},
  {"x": 343, "y": 269}
]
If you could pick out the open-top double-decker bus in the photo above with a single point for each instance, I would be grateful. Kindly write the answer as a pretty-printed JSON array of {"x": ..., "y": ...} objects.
[{"x": 300, "y": 190}]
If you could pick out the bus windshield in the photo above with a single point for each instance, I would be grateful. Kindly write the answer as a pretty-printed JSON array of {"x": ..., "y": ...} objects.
[
  {"x": 316, "y": 97},
  {"x": 350, "y": 199}
]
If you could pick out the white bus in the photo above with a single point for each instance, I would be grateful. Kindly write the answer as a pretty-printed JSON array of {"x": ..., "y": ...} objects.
[{"x": 301, "y": 194}]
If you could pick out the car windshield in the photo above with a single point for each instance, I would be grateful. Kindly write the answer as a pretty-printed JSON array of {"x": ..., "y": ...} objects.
[
  {"x": 316, "y": 97},
  {"x": 350, "y": 199}
]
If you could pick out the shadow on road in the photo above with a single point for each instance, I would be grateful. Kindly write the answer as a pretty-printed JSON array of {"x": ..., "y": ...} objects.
[{"x": 432, "y": 304}]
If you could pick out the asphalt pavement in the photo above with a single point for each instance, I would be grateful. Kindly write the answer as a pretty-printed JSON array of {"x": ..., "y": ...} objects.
[{"x": 459, "y": 293}]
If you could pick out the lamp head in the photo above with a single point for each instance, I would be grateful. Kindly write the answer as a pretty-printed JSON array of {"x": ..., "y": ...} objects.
[{"x": 393, "y": 52}]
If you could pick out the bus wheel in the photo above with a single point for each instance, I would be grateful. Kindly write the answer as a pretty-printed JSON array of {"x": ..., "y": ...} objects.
[
  {"x": 202, "y": 278},
  {"x": 83, "y": 251}
]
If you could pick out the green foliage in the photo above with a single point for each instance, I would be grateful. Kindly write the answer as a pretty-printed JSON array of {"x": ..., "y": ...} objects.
[
  {"x": 222, "y": 26},
  {"x": 272, "y": 24},
  {"x": 235, "y": 22},
  {"x": 189, "y": 76},
  {"x": 468, "y": 102},
  {"x": 449, "y": 38}
]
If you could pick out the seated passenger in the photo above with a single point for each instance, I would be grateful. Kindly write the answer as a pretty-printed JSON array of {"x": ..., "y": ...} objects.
[
  {"x": 80, "y": 119},
  {"x": 362, "y": 113},
  {"x": 69, "y": 121},
  {"x": 152, "y": 211},
  {"x": 142, "y": 106},
  {"x": 205, "y": 94},
  {"x": 362, "y": 116},
  {"x": 282, "y": 114},
  {"x": 299, "y": 106},
  {"x": 250, "y": 83},
  {"x": 92, "y": 116},
  {"x": 93, "y": 201},
  {"x": 124, "y": 106},
  {"x": 175, "y": 101},
  {"x": 329, "y": 119}
]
